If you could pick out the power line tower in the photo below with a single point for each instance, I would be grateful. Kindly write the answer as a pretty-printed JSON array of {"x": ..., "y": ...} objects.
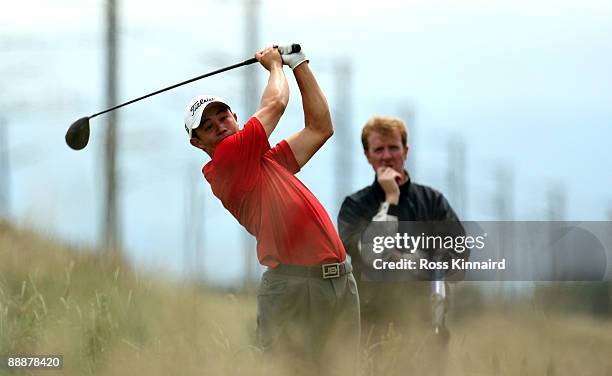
[
  {"x": 5, "y": 173},
  {"x": 194, "y": 231},
  {"x": 188, "y": 228},
  {"x": 343, "y": 73},
  {"x": 556, "y": 201},
  {"x": 455, "y": 175},
  {"x": 251, "y": 95},
  {"x": 503, "y": 203},
  {"x": 111, "y": 238},
  {"x": 408, "y": 115},
  {"x": 555, "y": 211},
  {"x": 503, "y": 207}
]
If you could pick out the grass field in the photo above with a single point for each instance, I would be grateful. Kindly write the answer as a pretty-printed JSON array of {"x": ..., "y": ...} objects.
[{"x": 106, "y": 318}]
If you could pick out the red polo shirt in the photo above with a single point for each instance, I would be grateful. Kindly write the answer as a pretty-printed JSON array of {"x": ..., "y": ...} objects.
[{"x": 256, "y": 184}]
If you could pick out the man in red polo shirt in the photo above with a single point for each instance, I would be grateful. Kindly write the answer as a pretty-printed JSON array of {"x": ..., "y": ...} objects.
[{"x": 307, "y": 301}]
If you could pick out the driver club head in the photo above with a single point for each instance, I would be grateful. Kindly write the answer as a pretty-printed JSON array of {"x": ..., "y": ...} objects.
[{"x": 77, "y": 135}]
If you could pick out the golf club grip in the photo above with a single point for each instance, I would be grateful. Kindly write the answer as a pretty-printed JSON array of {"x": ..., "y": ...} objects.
[
  {"x": 289, "y": 49},
  {"x": 246, "y": 62}
]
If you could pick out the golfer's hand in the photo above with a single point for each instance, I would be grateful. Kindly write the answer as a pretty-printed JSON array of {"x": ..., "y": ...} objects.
[
  {"x": 388, "y": 179},
  {"x": 292, "y": 59},
  {"x": 269, "y": 58}
]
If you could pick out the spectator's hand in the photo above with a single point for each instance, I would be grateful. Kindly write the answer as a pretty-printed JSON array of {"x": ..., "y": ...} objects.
[
  {"x": 292, "y": 59},
  {"x": 388, "y": 179},
  {"x": 269, "y": 57}
]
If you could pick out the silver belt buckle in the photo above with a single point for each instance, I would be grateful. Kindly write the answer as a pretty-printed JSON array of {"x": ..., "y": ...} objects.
[{"x": 331, "y": 270}]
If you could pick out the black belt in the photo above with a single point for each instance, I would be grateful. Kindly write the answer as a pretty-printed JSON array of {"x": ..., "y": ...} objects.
[{"x": 324, "y": 271}]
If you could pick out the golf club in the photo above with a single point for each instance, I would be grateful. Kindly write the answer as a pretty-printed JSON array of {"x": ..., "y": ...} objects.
[
  {"x": 77, "y": 135},
  {"x": 438, "y": 307}
]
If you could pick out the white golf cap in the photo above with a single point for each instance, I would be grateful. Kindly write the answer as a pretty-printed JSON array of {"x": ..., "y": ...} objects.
[{"x": 195, "y": 109}]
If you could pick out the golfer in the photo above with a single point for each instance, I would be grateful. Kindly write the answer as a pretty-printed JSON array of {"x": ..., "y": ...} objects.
[{"x": 307, "y": 301}]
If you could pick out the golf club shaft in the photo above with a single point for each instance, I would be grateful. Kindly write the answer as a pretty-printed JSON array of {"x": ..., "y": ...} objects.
[{"x": 246, "y": 62}]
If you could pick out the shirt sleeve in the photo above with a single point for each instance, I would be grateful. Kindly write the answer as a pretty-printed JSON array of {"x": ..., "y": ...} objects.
[
  {"x": 283, "y": 154},
  {"x": 442, "y": 209},
  {"x": 352, "y": 221},
  {"x": 238, "y": 157}
]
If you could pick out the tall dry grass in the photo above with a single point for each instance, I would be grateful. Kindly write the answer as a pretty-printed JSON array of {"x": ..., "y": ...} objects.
[{"x": 106, "y": 318}]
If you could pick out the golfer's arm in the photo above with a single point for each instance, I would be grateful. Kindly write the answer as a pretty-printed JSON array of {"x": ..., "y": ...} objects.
[
  {"x": 317, "y": 118},
  {"x": 274, "y": 100}
]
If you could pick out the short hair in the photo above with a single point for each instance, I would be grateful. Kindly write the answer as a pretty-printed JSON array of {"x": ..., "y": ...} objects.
[{"x": 384, "y": 125}]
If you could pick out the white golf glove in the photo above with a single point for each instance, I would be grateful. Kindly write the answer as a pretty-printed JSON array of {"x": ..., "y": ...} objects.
[{"x": 292, "y": 59}]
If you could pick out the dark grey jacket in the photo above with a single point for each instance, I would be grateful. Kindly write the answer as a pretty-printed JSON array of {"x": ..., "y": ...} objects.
[{"x": 416, "y": 203}]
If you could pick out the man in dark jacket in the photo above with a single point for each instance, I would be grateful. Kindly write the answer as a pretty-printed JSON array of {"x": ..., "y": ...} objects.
[{"x": 393, "y": 198}]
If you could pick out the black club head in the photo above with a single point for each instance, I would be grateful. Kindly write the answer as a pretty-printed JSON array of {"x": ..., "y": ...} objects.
[{"x": 77, "y": 136}]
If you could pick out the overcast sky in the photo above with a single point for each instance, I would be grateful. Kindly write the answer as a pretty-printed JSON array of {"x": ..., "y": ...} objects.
[{"x": 523, "y": 84}]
